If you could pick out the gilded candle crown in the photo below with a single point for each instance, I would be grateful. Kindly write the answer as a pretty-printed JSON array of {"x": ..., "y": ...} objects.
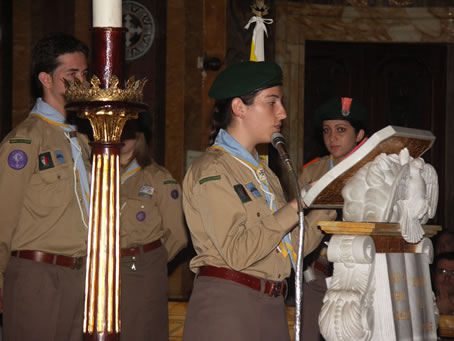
[{"x": 92, "y": 91}]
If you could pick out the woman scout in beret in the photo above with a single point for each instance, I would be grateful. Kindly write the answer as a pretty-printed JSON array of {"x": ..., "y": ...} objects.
[
  {"x": 238, "y": 216},
  {"x": 341, "y": 122},
  {"x": 152, "y": 232}
]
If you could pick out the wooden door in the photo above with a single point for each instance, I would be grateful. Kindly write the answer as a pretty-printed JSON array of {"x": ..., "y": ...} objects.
[{"x": 400, "y": 84}]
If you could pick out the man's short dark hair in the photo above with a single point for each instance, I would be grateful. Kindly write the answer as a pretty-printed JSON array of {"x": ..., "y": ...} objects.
[{"x": 46, "y": 52}]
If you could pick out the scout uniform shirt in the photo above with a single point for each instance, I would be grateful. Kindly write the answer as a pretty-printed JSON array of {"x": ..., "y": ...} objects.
[
  {"x": 151, "y": 209},
  {"x": 315, "y": 169},
  {"x": 231, "y": 223},
  {"x": 39, "y": 208}
]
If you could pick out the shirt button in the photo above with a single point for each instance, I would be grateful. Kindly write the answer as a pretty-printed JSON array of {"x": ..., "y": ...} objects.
[
  {"x": 258, "y": 214},
  {"x": 279, "y": 276}
]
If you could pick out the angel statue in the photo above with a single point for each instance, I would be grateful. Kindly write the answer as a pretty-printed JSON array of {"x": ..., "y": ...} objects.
[{"x": 393, "y": 188}]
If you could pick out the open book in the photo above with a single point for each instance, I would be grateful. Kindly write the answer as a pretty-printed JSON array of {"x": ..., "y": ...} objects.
[{"x": 326, "y": 192}]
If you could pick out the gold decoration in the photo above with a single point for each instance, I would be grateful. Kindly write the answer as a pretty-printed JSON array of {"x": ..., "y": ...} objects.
[
  {"x": 102, "y": 295},
  {"x": 259, "y": 8},
  {"x": 400, "y": 3},
  {"x": 107, "y": 123},
  {"x": 78, "y": 91}
]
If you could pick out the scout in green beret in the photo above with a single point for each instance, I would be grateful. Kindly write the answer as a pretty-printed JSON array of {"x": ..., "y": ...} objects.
[
  {"x": 238, "y": 215},
  {"x": 341, "y": 122},
  {"x": 238, "y": 86}
]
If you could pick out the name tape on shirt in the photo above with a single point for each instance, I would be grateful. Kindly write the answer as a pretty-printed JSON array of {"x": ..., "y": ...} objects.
[
  {"x": 210, "y": 178},
  {"x": 20, "y": 141}
]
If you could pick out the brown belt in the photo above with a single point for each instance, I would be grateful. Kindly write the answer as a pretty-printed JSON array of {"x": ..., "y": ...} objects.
[
  {"x": 49, "y": 258},
  {"x": 322, "y": 268},
  {"x": 134, "y": 251},
  {"x": 271, "y": 288}
]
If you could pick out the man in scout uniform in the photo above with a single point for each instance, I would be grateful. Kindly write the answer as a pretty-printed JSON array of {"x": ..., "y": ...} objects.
[
  {"x": 341, "y": 122},
  {"x": 44, "y": 194}
]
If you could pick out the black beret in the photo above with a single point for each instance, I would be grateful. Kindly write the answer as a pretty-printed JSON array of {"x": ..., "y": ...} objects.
[
  {"x": 340, "y": 108},
  {"x": 243, "y": 78}
]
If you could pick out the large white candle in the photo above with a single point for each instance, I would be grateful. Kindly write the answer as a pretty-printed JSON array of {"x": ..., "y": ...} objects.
[{"x": 107, "y": 13}]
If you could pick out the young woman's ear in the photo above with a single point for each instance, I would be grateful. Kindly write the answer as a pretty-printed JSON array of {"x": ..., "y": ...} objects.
[
  {"x": 360, "y": 135},
  {"x": 238, "y": 107}
]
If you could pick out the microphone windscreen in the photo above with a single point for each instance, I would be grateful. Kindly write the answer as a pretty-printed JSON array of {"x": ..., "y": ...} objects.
[{"x": 277, "y": 138}]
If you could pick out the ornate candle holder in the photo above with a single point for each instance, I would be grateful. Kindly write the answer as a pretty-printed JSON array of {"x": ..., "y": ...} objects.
[{"x": 107, "y": 107}]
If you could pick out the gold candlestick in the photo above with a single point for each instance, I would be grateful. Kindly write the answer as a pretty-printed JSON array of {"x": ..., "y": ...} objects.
[{"x": 107, "y": 107}]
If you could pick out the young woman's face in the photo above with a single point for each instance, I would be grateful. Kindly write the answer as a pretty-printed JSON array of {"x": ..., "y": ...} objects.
[
  {"x": 264, "y": 115},
  {"x": 340, "y": 137}
]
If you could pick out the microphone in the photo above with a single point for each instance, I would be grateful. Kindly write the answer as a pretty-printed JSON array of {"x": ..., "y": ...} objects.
[{"x": 278, "y": 142}]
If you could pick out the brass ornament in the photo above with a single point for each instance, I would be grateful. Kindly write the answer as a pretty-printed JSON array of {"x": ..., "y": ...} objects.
[
  {"x": 78, "y": 91},
  {"x": 259, "y": 8}
]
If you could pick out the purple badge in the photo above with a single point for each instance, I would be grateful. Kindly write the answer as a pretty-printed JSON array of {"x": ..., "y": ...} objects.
[
  {"x": 140, "y": 216},
  {"x": 174, "y": 194},
  {"x": 17, "y": 159}
]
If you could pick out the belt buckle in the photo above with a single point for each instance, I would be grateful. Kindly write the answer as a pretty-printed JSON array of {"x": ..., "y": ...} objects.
[
  {"x": 78, "y": 263},
  {"x": 276, "y": 289}
]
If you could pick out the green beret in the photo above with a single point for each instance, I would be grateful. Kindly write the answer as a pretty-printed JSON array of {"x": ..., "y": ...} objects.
[
  {"x": 243, "y": 78},
  {"x": 340, "y": 108}
]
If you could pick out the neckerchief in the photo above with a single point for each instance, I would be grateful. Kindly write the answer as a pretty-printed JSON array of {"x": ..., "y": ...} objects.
[
  {"x": 226, "y": 142},
  {"x": 132, "y": 169},
  {"x": 52, "y": 116}
]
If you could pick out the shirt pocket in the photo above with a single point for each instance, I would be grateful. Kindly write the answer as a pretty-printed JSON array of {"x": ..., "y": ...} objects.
[
  {"x": 139, "y": 215},
  {"x": 257, "y": 209},
  {"x": 53, "y": 187}
]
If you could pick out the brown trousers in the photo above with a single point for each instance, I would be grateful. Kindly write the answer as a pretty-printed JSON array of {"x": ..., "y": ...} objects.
[
  {"x": 42, "y": 302},
  {"x": 223, "y": 310},
  {"x": 313, "y": 294},
  {"x": 143, "y": 307}
]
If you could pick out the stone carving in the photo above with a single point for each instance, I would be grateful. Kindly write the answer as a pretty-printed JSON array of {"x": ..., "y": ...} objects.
[
  {"x": 347, "y": 312},
  {"x": 395, "y": 188}
]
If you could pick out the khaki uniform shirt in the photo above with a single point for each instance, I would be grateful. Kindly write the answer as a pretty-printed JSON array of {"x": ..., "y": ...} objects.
[
  {"x": 39, "y": 208},
  {"x": 314, "y": 170},
  {"x": 231, "y": 223},
  {"x": 151, "y": 209}
]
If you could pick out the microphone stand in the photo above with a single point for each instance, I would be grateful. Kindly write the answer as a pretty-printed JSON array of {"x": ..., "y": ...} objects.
[{"x": 300, "y": 252}]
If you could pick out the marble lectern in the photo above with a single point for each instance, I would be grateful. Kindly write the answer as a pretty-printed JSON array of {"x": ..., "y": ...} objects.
[{"x": 380, "y": 288}]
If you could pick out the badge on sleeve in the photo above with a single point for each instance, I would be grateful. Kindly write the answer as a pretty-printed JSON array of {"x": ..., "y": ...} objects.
[
  {"x": 146, "y": 191},
  {"x": 17, "y": 159},
  {"x": 60, "y": 157},
  {"x": 241, "y": 191},
  {"x": 45, "y": 161},
  {"x": 174, "y": 194},
  {"x": 255, "y": 192}
]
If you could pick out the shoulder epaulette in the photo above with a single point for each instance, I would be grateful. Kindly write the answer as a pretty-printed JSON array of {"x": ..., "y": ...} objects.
[{"x": 310, "y": 162}]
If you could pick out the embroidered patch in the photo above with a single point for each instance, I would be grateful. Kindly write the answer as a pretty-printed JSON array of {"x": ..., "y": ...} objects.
[
  {"x": 167, "y": 182},
  {"x": 174, "y": 194},
  {"x": 20, "y": 141},
  {"x": 140, "y": 216},
  {"x": 146, "y": 191},
  {"x": 17, "y": 159},
  {"x": 45, "y": 161},
  {"x": 241, "y": 191},
  {"x": 60, "y": 157},
  {"x": 210, "y": 178},
  {"x": 255, "y": 192}
]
